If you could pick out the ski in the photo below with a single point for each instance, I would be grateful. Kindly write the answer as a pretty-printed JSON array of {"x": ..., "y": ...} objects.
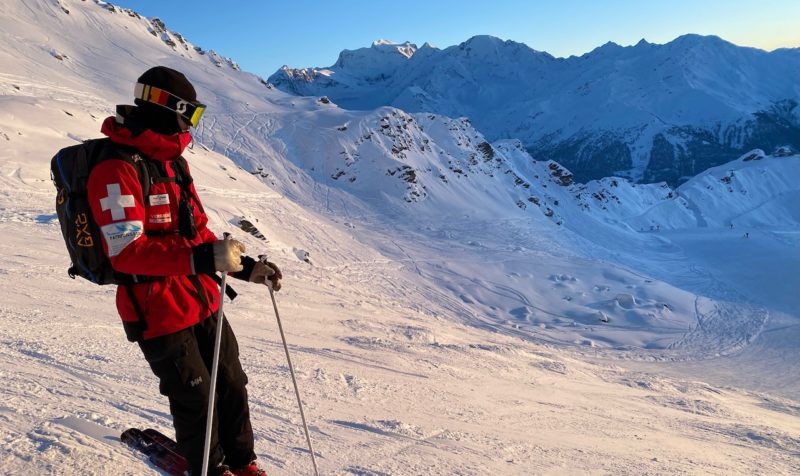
[
  {"x": 160, "y": 449},
  {"x": 162, "y": 440}
]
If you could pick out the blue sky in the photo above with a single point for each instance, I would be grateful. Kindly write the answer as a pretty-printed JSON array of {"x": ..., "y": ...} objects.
[{"x": 263, "y": 35}]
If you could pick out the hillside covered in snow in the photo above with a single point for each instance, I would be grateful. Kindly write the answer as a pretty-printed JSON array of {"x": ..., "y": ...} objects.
[
  {"x": 648, "y": 112},
  {"x": 453, "y": 306}
]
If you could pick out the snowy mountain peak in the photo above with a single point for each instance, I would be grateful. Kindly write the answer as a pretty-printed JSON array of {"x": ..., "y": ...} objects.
[
  {"x": 487, "y": 41},
  {"x": 710, "y": 45},
  {"x": 607, "y": 48},
  {"x": 406, "y": 49},
  {"x": 696, "y": 39},
  {"x": 381, "y": 56},
  {"x": 491, "y": 46}
]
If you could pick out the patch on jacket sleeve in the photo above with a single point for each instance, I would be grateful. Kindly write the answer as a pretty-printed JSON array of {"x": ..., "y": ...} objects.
[
  {"x": 116, "y": 202},
  {"x": 121, "y": 234}
]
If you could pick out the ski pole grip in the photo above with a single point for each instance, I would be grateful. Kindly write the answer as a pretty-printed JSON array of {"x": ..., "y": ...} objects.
[{"x": 263, "y": 259}]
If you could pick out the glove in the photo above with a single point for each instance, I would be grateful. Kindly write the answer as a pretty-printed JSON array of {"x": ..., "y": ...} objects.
[
  {"x": 264, "y": 271},
  {"x": 227, "y": 255}
]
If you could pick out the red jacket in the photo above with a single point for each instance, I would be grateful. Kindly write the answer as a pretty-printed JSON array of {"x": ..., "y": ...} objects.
[{"x": 173, "y": 301}]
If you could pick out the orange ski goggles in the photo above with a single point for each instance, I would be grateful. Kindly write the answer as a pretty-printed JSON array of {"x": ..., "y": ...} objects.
[{"x": 191, "y": 111}]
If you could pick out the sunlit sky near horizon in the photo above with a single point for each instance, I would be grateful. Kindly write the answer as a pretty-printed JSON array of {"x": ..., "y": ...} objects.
[{"x": 262, "y": 35}]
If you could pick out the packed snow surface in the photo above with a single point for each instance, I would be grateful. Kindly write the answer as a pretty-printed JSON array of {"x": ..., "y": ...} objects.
[{"x": 451, "y": 305}]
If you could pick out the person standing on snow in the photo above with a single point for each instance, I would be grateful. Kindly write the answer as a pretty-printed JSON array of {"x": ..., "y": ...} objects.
[{"x": 162, "y": 240}]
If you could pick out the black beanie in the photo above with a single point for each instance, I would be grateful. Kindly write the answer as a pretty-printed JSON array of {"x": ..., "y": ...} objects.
[{"x": 158, "y": 118}]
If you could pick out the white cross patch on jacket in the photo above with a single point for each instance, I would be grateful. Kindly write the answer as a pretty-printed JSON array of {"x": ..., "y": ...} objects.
[{"x": 116, "y": 202}]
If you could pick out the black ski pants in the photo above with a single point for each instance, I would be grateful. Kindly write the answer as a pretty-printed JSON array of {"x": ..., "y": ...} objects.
[{"x": 182, "y": 362}]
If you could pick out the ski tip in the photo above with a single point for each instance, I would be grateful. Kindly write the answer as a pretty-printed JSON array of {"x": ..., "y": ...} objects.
[{"x": 131, "y": 436}]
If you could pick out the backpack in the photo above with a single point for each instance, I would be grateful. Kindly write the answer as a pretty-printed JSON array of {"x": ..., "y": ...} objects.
[{"x": 70, "y": 169}]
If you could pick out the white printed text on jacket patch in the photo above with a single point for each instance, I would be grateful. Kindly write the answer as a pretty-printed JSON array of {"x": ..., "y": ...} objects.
[
  {"x": 116, "y": 202},
  {"x": 160, "y": 218},
  {"x": 119, "y": 235},
  {"x": 160, "y": 199}
]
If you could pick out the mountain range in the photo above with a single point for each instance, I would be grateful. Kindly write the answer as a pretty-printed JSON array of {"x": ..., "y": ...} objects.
[{"x": 647, "y": 112}]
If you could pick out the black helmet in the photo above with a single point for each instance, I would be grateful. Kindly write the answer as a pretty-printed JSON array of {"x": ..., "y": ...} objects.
[{"x": 162, "y": 92}]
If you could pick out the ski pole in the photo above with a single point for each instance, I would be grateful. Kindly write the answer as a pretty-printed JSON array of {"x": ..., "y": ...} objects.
[
  {"x": 214, "y": 370},
  {"x": 291, "y": 371}
]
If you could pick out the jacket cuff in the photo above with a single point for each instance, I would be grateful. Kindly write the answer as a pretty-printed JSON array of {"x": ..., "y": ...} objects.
[
  {"x": 248, "y": 263},
  {"x": 203, "y": 259}
]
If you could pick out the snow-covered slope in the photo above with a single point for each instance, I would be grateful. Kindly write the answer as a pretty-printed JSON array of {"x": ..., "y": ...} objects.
[
  {"x": 447, "y": 299},
  {"x": 651, "y": 112},
  {"x": 755, "y": 191}
]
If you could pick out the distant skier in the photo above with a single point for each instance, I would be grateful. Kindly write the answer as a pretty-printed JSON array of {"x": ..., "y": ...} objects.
[{"x": 162, "y": 240}]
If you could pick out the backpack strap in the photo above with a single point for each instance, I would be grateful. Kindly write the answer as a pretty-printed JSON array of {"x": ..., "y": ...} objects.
[
  {"x": 184, "y": 180},
  {"x": 137, "y": 161},
  {"x": 229, "y": 291},
  {"x": 91, "y": 151}
]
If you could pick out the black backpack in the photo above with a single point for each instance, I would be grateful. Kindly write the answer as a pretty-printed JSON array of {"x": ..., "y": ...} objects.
[{"x": 70, "y": 169}]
